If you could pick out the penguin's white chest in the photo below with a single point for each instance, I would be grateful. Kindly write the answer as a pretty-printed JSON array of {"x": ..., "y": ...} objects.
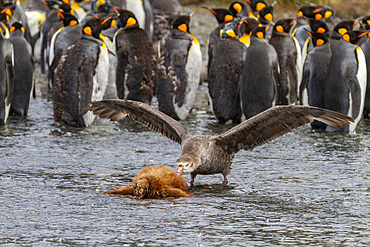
[
  {"x": 100, "y": 82},
  {"x": 193, "y": 69}
]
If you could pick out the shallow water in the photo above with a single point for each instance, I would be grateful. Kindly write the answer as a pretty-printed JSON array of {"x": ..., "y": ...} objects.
[{"x": 306, "y": 188}]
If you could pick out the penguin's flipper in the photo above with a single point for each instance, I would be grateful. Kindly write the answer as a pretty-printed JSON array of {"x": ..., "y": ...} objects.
[
  {"x": 355, "y": 93},
  {"x": 86, "y": 81},
  {"x": 276, "y": 77},
  {"x": 303, "y": 93}
]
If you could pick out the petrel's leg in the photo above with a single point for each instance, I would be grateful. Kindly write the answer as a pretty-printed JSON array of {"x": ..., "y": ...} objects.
[
  {"x": 225, "y": 180},
  {"x": 192, "y": 179}
]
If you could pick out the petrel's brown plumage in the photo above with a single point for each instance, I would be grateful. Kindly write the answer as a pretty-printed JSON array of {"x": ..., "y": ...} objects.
[{"x": 214, "y": 154}]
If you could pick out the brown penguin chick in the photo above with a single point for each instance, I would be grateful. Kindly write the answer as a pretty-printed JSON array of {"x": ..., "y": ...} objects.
[
  {"x": 213, "y": 154},
  {"x": 154, "y": 182}
]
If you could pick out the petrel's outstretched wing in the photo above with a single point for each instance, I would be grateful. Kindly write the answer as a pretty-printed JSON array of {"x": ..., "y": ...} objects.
[
  {"x": 141, "y": 113},
  {"x": 276, "y": 122}
]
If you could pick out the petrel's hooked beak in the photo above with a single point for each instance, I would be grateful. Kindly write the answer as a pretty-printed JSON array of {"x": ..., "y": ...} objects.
[{"x": 180, "y": 170}]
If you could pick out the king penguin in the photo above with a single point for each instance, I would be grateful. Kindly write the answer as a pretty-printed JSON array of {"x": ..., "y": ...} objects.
[
  {"x": 6, "y": 77},
  {"x": 178, "y": 70},
  {"x": 61, "y": 40},
  {"x": 346, "y": 79},
  {"x": 289, "y": 55},
  {"x": 260, "y": 75},
  {"x": 23, "y": 71},
  {"x": 316, "y": 65},
  {"x": 136, "y": 63},
  {"x": 224, "y": 73},
  {"x": 81, "y": 77}
]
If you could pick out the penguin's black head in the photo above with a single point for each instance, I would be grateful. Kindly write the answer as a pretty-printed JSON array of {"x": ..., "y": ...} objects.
[
  {"x": 6, "y": 12},
  {"x": 365, "y": 21},
  {"x": 222, "y": 15},
  {"x": 266, "y": 15},
  {"x": 65, "y": 8},
  {"x": 109, "y": 22},
  {"x": 318, "y": 38},
  {"x": 236, "y": 8},
  {"x": 127, "y": 18},
  {"x": 182, "y": 23},
  {"x": 51, "y": 4},
  {"x": 17, "y": 26},
  {"x": 307, "y": 11},
  {"x": 354, "y": 36},
  {"x": 260, "y": 32},
  {"x": 318, "y": 26},
  {"x": 69, "y": 20},
  {"x": 247, "y": 24},
  {"x": 284, "y": 25},
  {"x": 256, "y": 5},
  {"x": 344, "y": 26},
  {"x": 93, "y": 27}
]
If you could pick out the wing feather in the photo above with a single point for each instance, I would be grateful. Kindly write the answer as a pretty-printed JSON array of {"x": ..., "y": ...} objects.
[
  {"x": 273, "y": 123},
  {"x": 141, "y": 113}
]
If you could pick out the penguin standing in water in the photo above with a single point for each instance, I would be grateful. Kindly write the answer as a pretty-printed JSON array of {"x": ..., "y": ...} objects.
[
  {"x": 23, "y": 71},
  {"x": 61, "y": 40},
  {"x": 136, "y": 63},
  {"x": 6, "y": 76},
  {"x": 346, "y": 79},
  {"x": 289, "y": 54},
  {"x": 81, "y": 76},
  {"x": 178, "y": 70},
  {"x": 144, "y": 14},
  {"x": 316, "y": 65},
  {"x": 224, "y": 74},
  {"x": 260, "y": 75}
]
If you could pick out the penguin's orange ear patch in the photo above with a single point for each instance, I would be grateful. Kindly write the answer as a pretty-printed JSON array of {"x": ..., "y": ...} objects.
[
  {"x": 183, "y": 28},
  {"x": 73, "y": 23},
  {"x": 228, "y": 18},
  {"x": 260, "y": 6},
  {"x": 280, "y": 29},
  {"x": 299, "y": 14},
  {"x": 342, "y": 31},
  {"x": 23, "y": 30},
  {"x": 260, "y": 35},
  {"x": 87, "y": 30},
  {"x": 12, "y": 29},
  {"x": 269, "y": 17},
  {"x": 130, "y": 22},
  {"x": 321, "y": 30},
  {"x": 319, "y": 42},
  {"x": 346, "y": 38}
]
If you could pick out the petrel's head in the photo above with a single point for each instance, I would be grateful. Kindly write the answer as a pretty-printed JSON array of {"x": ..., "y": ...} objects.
[{"x": 185, "y": 165}]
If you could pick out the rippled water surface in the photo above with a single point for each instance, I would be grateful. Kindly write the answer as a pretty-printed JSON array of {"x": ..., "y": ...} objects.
[{"x": 305, "y": 188}]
